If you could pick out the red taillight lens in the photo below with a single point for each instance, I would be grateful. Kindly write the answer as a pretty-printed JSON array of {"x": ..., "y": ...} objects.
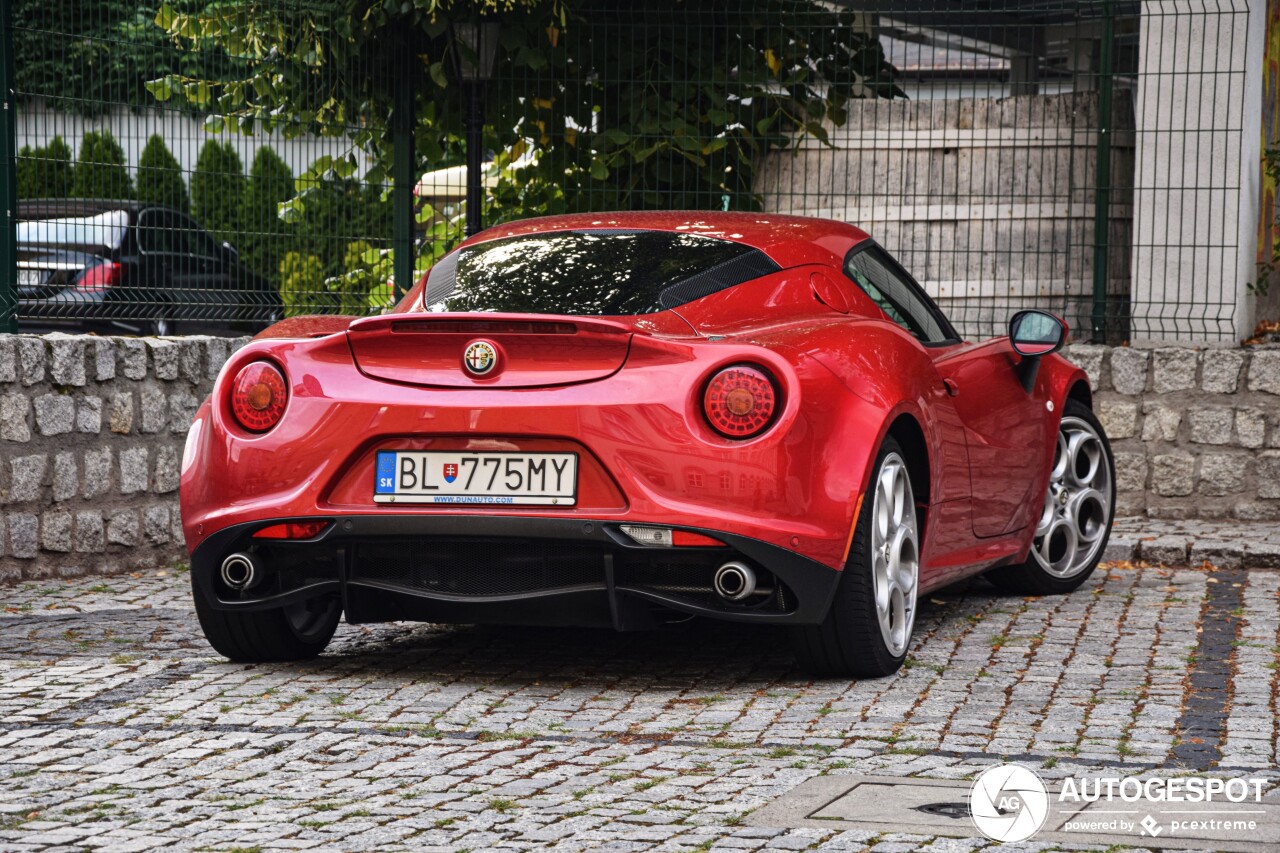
[
  {"x": 740, "y": 401},
  {"x": 99, "y": 277},
  {"x": 292, "y": 530},
  {"x": 258, "y": 396}
]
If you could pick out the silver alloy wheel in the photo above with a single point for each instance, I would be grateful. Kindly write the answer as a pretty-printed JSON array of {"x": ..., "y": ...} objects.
[
  {"x": 1077, "y": 507},
  {"x": 895, "y": 554}
]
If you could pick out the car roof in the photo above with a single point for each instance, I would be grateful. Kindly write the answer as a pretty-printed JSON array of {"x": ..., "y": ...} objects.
[
  {"x": 65, "y": 208},
  {"x": 788, "y": 240}
]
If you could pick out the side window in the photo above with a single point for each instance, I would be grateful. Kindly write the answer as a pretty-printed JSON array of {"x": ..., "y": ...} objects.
[
  {"x": 196, "y": 240},
  {"x": 160, "y": 232},
  {"x": 896, "y": 297},
  {"x": 154, "y": 237}
]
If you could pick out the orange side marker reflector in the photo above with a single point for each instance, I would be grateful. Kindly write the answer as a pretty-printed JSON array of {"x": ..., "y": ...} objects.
[{"x": 848, "y": 543}]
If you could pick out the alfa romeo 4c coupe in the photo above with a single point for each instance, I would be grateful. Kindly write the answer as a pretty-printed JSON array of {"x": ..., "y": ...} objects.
[{"x": 622, "y": 420}]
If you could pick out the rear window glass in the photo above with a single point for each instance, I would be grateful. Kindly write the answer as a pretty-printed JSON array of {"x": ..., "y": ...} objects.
[
  {"x": 604, "y": 272},
  {"x": 105, "y": 229}
]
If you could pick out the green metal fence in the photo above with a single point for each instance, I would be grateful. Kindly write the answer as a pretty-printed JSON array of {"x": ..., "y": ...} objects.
[{"x": 208, "y": 165}]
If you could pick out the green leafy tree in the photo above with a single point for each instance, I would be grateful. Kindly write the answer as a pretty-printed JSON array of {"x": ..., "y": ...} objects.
[
  {"x": 302, "y": 286},
  {"x": 336, "y": 206},
  {"x": 266, "y": 237},
  {"x": 160, "y": 176},
  {"x": 217, "y": 189},
  {"x": 647, "y": 104},
  {"x": 100, "y": 171},
  {"x": 364, "y": 268},
  {"x": 45, "y": 172},
  {"x": 84, "y": 57}
]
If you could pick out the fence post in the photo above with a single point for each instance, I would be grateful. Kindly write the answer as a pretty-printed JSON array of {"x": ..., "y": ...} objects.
[
  {"x": 8, "y": 175},
  {"x": 402, "y": 177},
  {"x": 1102, "y": 194}
]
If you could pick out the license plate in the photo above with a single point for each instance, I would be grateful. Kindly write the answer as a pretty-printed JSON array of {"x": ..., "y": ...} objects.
[
  {"x": 498, "y": 478},
  {"x": 30, "y": 278}
]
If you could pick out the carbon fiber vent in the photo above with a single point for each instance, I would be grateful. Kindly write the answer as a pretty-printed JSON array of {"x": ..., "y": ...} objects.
[{"x": 745, "y": 267}]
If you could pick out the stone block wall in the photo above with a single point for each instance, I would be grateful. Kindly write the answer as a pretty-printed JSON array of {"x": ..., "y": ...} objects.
[
  {"x": 91, "y": 438},
  {"x": 92, "y": 432},
  {"x": 1196, "y": 432}
]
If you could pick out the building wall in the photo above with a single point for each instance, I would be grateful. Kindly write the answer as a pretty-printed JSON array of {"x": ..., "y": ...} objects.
[
  {"x": 92, "y": 432},
  {"x": 1197, "y": 183},
  {"x": 989, "y": 202}
]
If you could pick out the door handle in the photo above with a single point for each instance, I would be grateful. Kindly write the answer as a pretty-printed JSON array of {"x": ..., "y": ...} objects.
[{"x": 953, "y": 390}]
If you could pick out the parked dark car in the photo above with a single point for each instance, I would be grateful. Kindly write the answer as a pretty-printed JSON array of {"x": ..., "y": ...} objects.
[{"x": 126, "y": 267}]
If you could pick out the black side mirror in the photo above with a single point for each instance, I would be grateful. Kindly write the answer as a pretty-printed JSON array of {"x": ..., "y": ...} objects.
[
  {"x": 230, "y": 253},
  {"x": 1034, "y": 334}
]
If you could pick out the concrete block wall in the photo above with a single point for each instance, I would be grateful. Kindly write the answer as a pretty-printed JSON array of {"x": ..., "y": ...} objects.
[
  {"x": 92, "y": 432},
  {"x": 91, "y": 438},
  {"x": 989, "y": 201},
  {"x": 1196, "y": 432}
]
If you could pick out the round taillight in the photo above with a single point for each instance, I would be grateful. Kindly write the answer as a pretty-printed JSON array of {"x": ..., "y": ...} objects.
[
  {"x": 740, "y": 401},
  {"x": 258, "y": 396}
]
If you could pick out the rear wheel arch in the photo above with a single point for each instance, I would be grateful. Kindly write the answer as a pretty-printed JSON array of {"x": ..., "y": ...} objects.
[{"x": 907, "y": 431}]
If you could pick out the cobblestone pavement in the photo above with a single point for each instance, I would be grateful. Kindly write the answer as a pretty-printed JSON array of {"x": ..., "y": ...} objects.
[{"x": 121, "y": 730}]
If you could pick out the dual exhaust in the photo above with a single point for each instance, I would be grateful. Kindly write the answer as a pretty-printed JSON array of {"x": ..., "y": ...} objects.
[{"x": 734, "y": 581}]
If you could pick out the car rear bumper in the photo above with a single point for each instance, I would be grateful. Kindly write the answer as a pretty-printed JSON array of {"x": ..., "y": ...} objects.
[{"x": 508, "y": 570}]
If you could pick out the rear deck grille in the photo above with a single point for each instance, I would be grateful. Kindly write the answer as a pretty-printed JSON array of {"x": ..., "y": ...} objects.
[{"x": 481, "y": 567}]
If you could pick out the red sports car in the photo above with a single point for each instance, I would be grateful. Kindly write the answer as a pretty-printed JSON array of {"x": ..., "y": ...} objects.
[{"x": 626, "y": 419}]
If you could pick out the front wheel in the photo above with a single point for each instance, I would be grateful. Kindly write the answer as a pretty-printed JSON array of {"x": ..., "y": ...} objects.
[
  {"x": 1079, "y": 506},
  {"x": 295, "y": 632},
  {"x": 867, "y": 631}
]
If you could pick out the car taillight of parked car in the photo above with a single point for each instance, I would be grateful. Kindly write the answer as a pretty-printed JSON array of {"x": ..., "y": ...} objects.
[
  {"x": 740, "y": 401},
  {"x": 258, "y": 396},
  {"x": 99, "y": 277}
]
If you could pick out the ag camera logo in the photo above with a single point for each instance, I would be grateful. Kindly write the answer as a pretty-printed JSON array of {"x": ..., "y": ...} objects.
[{"x": 1008, "y": 803}]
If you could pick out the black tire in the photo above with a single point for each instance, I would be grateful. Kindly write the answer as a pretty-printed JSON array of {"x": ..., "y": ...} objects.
[
  {"x": 848, "y": 642},
  {"x": 269, "y": 636},
  {"x": 1031, "y": 577}
]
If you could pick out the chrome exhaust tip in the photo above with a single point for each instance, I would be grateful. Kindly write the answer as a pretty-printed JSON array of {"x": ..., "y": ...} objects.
[
  {"x": 735, "y": 581},
  {"x": 239, "y": 571}
]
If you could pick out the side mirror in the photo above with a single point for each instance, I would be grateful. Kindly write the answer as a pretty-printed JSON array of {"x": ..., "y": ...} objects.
[
  {"x": 230, "y": 252},
  {"x": 1034, "y": 334}
]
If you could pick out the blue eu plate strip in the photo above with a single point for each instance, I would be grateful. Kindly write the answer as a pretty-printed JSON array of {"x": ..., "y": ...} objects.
[{"x": 386, "y": 482}]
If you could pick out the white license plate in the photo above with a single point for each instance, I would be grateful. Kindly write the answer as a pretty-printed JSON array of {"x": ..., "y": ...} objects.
[
  {"x": 499, "y": 478},
  {"x": 31, "y": 278}
]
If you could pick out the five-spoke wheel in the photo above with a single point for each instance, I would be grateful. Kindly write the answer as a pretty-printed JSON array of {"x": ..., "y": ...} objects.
[
  {"x": 1079, "y": 505},
  {"x": 895, "y": 550},
  {"x": 867, "y": 631}
]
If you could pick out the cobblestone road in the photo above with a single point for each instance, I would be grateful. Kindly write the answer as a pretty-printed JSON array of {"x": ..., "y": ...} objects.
[{"x": 121, "y": 730}]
